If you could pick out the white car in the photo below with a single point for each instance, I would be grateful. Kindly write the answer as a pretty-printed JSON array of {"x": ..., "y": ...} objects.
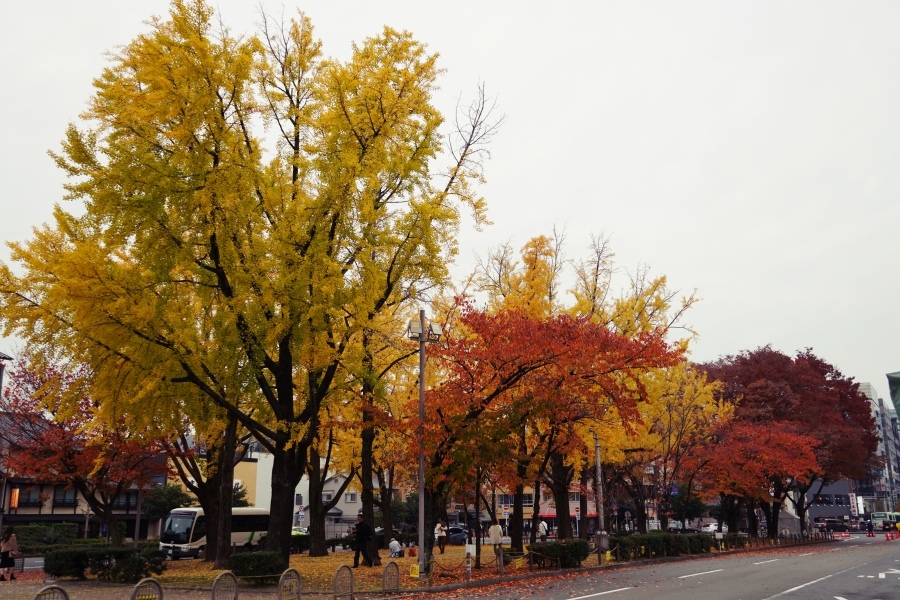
[{"x": 713, "y": 527}]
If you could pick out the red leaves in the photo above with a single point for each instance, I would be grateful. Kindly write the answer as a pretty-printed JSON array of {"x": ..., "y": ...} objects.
[
  {"x": 795, "y": 417},
  {"x": 51, "y": 444},
  {"x": 500, "y": 371}
]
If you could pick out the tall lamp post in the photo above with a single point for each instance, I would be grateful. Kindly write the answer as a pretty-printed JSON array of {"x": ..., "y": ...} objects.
[
  {"x": 432, "y": 333},
  {"x": 3, "y": 470},
  {"x": 602, "y": 537}
]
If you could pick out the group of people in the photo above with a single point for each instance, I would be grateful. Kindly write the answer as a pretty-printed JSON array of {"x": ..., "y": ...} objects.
[{"x": 363, "y": 534}]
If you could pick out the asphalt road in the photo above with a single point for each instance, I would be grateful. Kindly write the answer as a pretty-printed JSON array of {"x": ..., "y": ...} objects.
[
  {"x": 857, "y": 568},
  {"x": 851, "y": 569}
]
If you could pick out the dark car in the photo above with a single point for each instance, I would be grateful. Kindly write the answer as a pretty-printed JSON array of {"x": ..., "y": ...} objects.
[
  {"x": 457, "y": 535},
  {"x": 832, "y": 525}
]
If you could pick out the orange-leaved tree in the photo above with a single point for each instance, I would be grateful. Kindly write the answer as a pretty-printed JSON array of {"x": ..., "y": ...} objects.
[
  {"x": 506, "y": 369},
  {"x": 51, "y": 442}
]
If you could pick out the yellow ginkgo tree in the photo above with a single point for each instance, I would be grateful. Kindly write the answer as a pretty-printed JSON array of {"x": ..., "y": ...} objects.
[{"x": 246, "y": 206}]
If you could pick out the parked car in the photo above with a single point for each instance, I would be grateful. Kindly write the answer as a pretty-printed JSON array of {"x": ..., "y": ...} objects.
[
  {"x": 457, "y": 536},
  {"x": 683, "y": 530},
  {"x": 713, "y": 528},
  {"x": 832, "y": 525}
]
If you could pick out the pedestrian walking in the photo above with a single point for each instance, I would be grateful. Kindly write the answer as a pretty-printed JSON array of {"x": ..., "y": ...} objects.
[
  {"x": 542, "y": 530},
  {"x": 363, "y": 535},
  {"x": 495, "y": 535},
  {"x": 9, "y": 549},
  {"x": 440, "y": 534}
]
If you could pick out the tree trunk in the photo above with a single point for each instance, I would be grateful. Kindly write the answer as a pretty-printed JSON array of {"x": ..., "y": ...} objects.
[
  {"x": 220, "y": 542},
  {"x": 536, "y": 511},
  {"x": 368, "y": 496},
  {"x": 316, "y": 509},
  {"x": 385, "y": 498},
  {"x": 559, "y": 481},
  {"x": 367, "y": 475},
  {"x": 286, "y": 472}
]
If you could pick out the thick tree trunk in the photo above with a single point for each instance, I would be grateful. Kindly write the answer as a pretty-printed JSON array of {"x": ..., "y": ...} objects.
[
  {"x": 220, "y": 542},
  {"x": 516, "y": 526},
  {"x": 536, "y": 511},
  {"x": 316, "y": 510},
  {"x": 367, "y": 476},
  {"x": 286, "y": 471},
  {"x": 559, "y": 481},
  {"x": 385, "y": 498}
]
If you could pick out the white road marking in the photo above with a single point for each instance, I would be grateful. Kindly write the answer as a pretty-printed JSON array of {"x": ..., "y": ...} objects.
[
  {"x": 601, "y": 593},
  {"x": 696, "y": 574},
  {"x": 765, "y": 561},
  {"x": 807, "y": 554},
  {"x": 800, "y": 587}
]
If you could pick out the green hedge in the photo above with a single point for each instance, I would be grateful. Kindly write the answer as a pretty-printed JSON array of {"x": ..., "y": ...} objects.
[
  {"x": 258, "y": 567},
  {"x": 569, "y": 553},
  {"x": 658, "y": 543},
  {"x": 113, "y": 564},
  {"x": 33, "y": 538}
]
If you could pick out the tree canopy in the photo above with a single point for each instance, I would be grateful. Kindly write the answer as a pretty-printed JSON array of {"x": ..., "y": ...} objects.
[{"x": 247, "y": 207}]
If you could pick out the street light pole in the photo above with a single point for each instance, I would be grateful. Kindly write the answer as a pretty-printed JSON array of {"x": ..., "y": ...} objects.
[
  {"x": 421, "y": 435},
  {"x": 602, "y": 536},
  {"x": 422, "y": 334}
]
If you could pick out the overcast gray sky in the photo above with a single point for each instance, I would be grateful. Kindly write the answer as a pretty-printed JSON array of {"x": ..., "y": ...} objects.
[{"x": 748, "y": 150}]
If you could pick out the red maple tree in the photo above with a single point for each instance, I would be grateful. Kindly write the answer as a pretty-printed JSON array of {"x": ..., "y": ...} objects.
[
  {"x": 47, "y": 442},
  {"x": 805, "y": 396}
]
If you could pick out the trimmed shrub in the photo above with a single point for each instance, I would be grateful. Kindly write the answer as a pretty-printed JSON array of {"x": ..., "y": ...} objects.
[
  {"x": 66, "y": 562},
  {"x": 569, "y": 553},
  {"x": 640, "y": 545},
  {"x": 34, "y": 536},
  {"x": 113, "y": 564},
  {"x": 258, "y": 567},
  {"x": 126, "y": 565}
]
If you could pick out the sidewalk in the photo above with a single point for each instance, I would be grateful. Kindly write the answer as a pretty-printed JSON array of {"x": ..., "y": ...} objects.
[{"x": 26, "y": 590}]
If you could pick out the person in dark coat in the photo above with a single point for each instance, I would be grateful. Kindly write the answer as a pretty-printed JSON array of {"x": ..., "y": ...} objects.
[{"x": 363, "y": 535}]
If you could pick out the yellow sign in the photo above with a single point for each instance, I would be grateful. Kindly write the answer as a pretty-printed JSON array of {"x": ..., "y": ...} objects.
[
  {"x": 520, "y": 562},
  {"x": 414, "y": 570}
]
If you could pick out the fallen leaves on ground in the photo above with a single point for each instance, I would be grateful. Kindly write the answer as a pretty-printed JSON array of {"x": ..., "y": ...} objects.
[{"x": 318, "y": 571}]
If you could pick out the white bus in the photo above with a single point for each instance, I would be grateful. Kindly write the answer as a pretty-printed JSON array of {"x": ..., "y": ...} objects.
[{"x": 184, "y": 532}]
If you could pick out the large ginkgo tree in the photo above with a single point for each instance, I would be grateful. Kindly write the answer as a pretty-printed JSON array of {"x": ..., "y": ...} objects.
[{"x": 245, "y": 207}]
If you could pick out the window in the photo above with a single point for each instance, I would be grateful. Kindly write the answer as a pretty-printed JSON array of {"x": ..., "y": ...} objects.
[
  {"x": 326, "y": 496},
  {"x": 298, "y": 499},
  {"x": 63, "y": 496},
  {"x": 350, "y": 497},
  {"x": 29, "y": 496},
  {"x": 822, "y": 500},
  {"x": 574, "y": 496},
  {"x": 527, "y": 499},
  {"x": 126, "y": 500},
  {"x": 842, "y": 500}
]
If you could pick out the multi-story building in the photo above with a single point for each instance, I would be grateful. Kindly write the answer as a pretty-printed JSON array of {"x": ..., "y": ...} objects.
[{"x": 883, "y": 490}]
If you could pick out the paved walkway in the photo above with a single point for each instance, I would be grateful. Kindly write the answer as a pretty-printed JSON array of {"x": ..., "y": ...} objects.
[{"x": 22, "y": 590}]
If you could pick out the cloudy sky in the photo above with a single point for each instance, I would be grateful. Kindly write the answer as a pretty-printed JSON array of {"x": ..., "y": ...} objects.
[{"x": 746, "y": 150}]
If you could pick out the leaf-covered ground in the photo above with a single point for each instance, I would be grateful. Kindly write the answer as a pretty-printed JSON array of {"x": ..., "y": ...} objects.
[{"x": 318, "y": 572}]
